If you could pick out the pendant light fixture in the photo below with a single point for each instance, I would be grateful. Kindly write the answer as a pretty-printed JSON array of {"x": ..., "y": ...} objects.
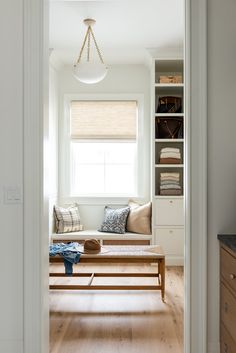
[{"x": 90, "y": 71}]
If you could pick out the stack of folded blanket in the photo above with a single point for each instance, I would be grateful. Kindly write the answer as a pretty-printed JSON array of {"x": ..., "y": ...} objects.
[
  {"x": 170, "y": 155},
  {"x": 170, "y": 184}
]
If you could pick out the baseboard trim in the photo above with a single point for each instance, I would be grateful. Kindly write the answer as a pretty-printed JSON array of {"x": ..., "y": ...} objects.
[{"x": 174, "y": 260}]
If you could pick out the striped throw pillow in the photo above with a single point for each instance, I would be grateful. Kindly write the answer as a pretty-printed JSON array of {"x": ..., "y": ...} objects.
[{"x": 67, "y": 219}]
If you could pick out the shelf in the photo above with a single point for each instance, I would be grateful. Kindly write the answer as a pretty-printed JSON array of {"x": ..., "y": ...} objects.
[
  {"x": 169, "y": 165},
  {"x": 168, "y": 213},
  {"x": 170, "y": 114},
  {"x": 169, "y": 140},
  {"x": 168, "y": 197},
  {"x": 164, "y": 85}
]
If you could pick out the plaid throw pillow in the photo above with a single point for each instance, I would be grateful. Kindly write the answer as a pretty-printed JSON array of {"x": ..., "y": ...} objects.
[{"x": 67, "y": 219}]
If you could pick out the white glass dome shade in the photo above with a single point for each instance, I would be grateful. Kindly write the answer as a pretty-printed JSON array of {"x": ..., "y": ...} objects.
[{"x": 90, "y": 72}]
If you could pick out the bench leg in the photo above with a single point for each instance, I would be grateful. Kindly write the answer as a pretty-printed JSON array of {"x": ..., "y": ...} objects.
[{"x": 162, "y": 273}]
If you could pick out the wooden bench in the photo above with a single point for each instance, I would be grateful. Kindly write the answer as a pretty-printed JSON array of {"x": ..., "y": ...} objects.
[{"x": 118, "y": 255}]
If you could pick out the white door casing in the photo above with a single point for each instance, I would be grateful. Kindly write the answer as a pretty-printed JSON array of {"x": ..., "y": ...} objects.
[{"x": 36, "y": 317}]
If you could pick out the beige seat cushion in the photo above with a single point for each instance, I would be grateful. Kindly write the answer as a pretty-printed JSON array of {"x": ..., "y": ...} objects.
[{"x": 139, "y": 219}]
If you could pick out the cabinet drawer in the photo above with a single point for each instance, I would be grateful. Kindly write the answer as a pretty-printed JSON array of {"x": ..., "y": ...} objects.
[
  {"x": 169, "y": 212},
  {"x": 227, "y": 344},
  {"x": 171, "y": 240},
  {"x": 228, "y": 309},
  {"x": 228, "y": 268}
]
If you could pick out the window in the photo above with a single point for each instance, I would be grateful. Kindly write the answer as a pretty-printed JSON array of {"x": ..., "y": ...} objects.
[
  {"x": 103, "y": 168},
  {"x": 102, "y": 148}
]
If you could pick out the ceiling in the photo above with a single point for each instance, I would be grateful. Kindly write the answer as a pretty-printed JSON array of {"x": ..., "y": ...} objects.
[{"x": 125, "y": 30}]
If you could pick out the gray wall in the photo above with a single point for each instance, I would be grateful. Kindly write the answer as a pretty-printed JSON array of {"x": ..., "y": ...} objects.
[
  {"x": 11, "y": 175},
  {"x": 221, "y": 145}
]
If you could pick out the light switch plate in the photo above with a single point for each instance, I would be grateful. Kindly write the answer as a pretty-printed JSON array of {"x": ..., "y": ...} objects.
[{"x": 12, "y": 195}]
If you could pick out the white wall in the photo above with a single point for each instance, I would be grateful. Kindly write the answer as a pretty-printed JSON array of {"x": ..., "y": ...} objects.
[
  {"x": 52, "y": 149},
  {"x": 11, "y": 174},
  {"x": 221, "y": 145},
  {"x": 121, "y": 79}
]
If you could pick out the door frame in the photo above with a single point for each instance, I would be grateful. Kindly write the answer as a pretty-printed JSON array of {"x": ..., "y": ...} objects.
[{"x": 36, "y": 308}]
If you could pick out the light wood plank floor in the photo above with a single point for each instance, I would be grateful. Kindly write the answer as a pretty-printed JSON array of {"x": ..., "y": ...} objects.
[{"x": 118, "y": 321}]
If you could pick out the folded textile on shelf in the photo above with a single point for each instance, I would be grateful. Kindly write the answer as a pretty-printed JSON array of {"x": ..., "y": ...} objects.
[
  {"x": 170, "y": 160},
  {"x": 170, "y": 183},
  {"x": 170, "y": 149},
  {"x": 170, "y": 155},
  {"x": 170, "y": 186},
  {"x": 171, "y": 192},
  {"x": 171, "y": 176}
]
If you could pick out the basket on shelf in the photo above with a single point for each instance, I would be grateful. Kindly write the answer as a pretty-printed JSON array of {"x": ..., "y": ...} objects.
[{"x": 170, "y": 79}]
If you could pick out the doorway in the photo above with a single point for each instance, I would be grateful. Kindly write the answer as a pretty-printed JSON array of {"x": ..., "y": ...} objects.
[{"x": 140, "y": 69}]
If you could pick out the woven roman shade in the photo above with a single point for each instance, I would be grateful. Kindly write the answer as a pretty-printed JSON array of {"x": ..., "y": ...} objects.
[{"x": 103, "y": 119}]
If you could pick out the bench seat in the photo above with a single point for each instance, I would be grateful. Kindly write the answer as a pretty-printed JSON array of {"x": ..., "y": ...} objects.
[{"x": 104, "y": 237}]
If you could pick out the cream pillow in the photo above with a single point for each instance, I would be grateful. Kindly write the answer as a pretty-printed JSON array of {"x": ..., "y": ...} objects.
[
  {"x": 67, "y": 219},
  {"x": 139, "y": 219}
]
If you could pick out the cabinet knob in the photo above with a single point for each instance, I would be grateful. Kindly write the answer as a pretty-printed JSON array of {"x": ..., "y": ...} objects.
[
  {"x": 171, "y": 231},
  {"x": 226, "y": 307},
  {"x": 232, "y": 276},
  {"x": 225, "y": 348},
  {"x": 171, "y": 201}
]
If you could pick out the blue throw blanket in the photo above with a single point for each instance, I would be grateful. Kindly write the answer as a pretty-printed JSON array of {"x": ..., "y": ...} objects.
[{"x": 69, "y": 253}]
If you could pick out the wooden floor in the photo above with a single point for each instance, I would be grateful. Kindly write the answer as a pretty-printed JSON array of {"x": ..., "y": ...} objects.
[{"x": 118, "y": 321}]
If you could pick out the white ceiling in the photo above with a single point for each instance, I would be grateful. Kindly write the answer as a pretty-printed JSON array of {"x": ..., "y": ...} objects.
[{"x": 124, "y": 29}]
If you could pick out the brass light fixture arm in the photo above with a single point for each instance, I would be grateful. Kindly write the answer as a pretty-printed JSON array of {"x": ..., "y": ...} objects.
[{"x": 89, "y": 23}]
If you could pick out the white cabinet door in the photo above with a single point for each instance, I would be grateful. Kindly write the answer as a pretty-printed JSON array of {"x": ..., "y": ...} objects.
[
  {"x": 171, "y": 240},
  {"x": 169, "y": 212}
]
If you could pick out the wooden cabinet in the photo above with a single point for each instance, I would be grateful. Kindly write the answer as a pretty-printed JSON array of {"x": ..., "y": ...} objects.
[
  {"x": 227, "y": 343},
  {"x": 227, "y": 300}
]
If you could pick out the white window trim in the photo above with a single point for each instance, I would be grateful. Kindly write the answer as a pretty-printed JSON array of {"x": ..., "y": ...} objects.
[{"x": 64, "y": 150}]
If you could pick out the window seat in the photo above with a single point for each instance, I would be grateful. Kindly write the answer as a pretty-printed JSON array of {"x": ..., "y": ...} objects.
[{"x": 104, "y": 237}]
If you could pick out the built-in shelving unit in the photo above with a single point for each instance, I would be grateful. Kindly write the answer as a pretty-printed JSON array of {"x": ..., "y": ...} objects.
[{"x": 168, "y": 215}]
